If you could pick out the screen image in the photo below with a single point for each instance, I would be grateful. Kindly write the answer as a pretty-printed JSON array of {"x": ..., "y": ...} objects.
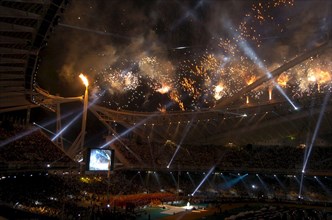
[{"x": 100, "y": 160}]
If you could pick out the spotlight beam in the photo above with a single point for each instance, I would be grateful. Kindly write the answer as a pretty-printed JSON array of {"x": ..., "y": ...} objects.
[
  {"x": 131, "y": 180},
  {"x": 173, "y": 178},
  {"x": 127, "y": 131},
  {"x": 17, "y": 137},
  {"x": 191, "y": 180},
  {"x": 96, "y": 31},
  {"x": 298, "y": 181},
  {"x": 157, "y": 179},
  {"x": 263, "y": 183},
  {"x": 130, "y": 151},
  {"x": 280, "y": 183},
  {"x": 268, "y": 76},
  {"x": 223, "y": 178},
  {"x": 72, "y": 121},
  {"x": 176, "y": 151},
  {"x": 203, "y": 180},
  {"x": 66, "y": 127},
  {"x": 245, "y": 186},
  {"x": 189, "y": 14},
  {"x": 185, "y": 132},
  {"x": 326, "y": 99},
  {"x": 101, "y": 111},
  {"x": 141, "y": 178},
  {"x": 25, "y": 133},
  {"x": 326, "y": 189},
  {"x": 230, "y": 183},
  {"x": 45, "y": 129},
  {"x": 276, "y": 72},
  {"x": 301, "y": 185}
]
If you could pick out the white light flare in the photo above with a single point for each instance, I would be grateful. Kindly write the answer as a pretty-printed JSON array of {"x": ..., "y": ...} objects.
[
  {"x": 164, "y": 89},
  {"x": 204, "y": 179},
  {"x": 253, "y": 56},
  {"x": 217, "y": 91},
  {"x": 84, "y": 80},
  {"x": 327, "y": 97},
  {"x": 185, "y": 132},
  {"x": 73, "y": 120}
]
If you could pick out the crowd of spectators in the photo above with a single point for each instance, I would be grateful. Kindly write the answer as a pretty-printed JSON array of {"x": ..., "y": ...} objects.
[
  {"x": 74, "y": 196},
  {"x": 33, "y": 147},
  {"x": 277, "y": 212},
  {"x": 145, "y": 179},
  {"x": 154, "y": 155},
  {"x": 124, "y": 192},
  {"x": 29, "y": 148}
]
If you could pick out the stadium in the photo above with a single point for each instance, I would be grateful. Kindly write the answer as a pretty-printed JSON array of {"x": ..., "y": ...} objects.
[{"x": 136, "y": 109}]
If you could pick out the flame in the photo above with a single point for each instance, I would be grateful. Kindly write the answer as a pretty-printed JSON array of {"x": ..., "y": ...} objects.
[
  {"x": 217, "y": 91},
  {"x": 188, "y": 85},
  {"x": 251, "y": 80},
  {"x": 312, "y": 78},
  {"x": 323, "y": 76},
  {"x": 84, "y": 80},
  {"x": 175, "y": 97},
  {"x": 319, "y": 76},
  {"x": 270, "y": 93},
  {"x": 282, "y": 80},
  {"x": 164, "y": 89}
]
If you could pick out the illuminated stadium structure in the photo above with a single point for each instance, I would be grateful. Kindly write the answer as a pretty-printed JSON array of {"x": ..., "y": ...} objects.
[
  {"x": 229, "y": 115},
  {"x": 270, "y": 122}
]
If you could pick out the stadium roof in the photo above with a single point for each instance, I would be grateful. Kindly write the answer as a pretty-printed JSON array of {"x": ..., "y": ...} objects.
[
  {"x": 25, "y": 26},
  {"x": 115, "y": 50}
]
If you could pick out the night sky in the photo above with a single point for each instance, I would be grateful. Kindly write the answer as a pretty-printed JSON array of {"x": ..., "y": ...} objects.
[{"x": 150, "y": 55}]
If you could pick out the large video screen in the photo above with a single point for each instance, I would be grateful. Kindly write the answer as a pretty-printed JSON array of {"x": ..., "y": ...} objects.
[{"x": 100, "y": 159}]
